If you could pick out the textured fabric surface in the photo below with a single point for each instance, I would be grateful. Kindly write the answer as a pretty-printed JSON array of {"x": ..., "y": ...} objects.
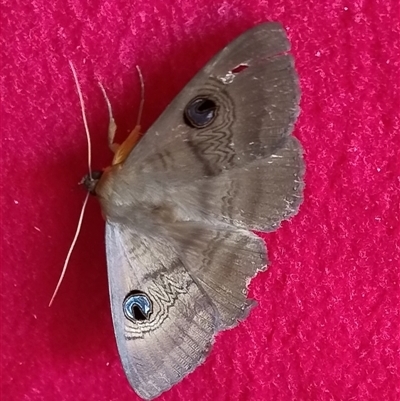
[{"x": 327, "y": 323}]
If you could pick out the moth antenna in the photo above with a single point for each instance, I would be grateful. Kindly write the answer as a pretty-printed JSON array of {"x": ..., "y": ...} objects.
[
  {"x": 141, "y": 95},
  {"x": 112, "y": 127},
  {"x": 78, "y": 229},
  {"x": 78, "y": 88}
]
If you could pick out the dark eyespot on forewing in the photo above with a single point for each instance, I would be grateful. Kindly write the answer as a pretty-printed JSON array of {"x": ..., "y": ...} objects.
[
  {"x": 200, "y": 112},
  {"x": 137, "y": 306}
]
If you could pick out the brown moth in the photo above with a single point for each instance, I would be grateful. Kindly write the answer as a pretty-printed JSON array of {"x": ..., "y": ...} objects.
[{"x": 181, "y": 204}]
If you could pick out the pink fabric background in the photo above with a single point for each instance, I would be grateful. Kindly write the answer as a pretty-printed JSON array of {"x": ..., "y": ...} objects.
[{"x": 327, "y": 324}]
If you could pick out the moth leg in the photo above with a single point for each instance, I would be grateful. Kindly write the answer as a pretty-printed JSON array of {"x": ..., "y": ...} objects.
[
  {"x": 122, "y": 151},
  {"x": 112, "y": 127}
]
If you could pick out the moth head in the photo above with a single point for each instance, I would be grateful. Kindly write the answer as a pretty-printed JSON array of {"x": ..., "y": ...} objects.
[{"x": 90, "y": 181}]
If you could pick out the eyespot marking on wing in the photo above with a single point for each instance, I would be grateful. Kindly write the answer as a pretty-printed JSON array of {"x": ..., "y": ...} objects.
[
  {"x": 137, "y": 306},
  {"x": 200, "y": 112}
]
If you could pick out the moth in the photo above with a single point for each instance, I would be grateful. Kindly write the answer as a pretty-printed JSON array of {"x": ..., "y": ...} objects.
[{"x": 180, "y": 206}]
